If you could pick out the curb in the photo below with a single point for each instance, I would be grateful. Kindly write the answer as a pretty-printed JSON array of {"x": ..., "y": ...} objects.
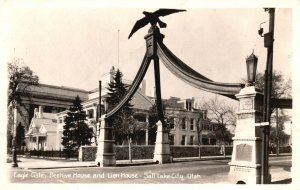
[
  {"x": 56, "y": 167},
  {"x": 136, "y": 163}
]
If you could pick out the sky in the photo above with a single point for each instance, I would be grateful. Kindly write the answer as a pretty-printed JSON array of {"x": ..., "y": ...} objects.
[{"x": 75, "y": 46}]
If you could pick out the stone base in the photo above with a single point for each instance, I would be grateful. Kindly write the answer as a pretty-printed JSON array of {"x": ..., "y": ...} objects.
[
  {"x": 105, "y": 152},
  {"x": 162, "y": 158},
  {"x": 162, "y": 147},
  {"x": 267, "y": 179},
  {"x": 106, "y": 160},
  {"x": 244, "y": 174}
]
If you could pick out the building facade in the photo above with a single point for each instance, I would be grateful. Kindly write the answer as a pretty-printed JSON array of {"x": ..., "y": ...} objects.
[{"x": 48, "y": 104}]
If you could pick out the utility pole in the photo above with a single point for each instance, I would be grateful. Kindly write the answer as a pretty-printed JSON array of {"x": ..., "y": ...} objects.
[
  {"x": 268, "y": 43},
  {"x": 277, "y": 132},
  {"x": 99, "y": 107}
]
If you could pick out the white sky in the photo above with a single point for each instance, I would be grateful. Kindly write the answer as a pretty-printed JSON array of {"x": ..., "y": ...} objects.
[{"x": 74, "y": 47}]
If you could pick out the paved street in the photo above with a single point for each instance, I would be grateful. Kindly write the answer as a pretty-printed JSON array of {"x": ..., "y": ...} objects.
[{"x": 198, "y": 172}]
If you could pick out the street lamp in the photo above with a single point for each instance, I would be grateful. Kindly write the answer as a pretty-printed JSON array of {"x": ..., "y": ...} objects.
[{"x": 251, "y": 63}]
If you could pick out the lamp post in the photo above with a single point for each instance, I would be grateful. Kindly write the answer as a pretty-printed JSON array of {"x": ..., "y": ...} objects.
[
  {"x": 14, "y": 147},
  {"x": 251, "y": 63}
]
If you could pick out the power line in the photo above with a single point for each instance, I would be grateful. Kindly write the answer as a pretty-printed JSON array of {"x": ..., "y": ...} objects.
[{"x": 118, "y": 48}]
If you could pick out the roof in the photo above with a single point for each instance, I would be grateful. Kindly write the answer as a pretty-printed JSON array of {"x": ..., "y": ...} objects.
[
  {"x": 38, "y": 124},
  {"x": 57, "y": 91},
  {"x": 140, "y": 101},
  {"x": 49, "y": 115},
  {"x": 48, "y": 128}
]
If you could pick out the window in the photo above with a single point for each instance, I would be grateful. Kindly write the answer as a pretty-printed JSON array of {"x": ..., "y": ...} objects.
[
  {"x": 172, "y": 123},
  {"x": 205, "y": 114},
  {"x": 60, "y": 120},
  {"x": 191, "y": 140},
  {"x": 140, "y": 118},
  {"x": 205, "y": 141},
  {"x": 213, "y": 141},
  {"x": 183, "y": 140},
  {"x": 192, "y": 124},
  {"x": 171, "y": 139},
  {"x": 183, "y": 123},
  {"x": 90, "y": 114}
]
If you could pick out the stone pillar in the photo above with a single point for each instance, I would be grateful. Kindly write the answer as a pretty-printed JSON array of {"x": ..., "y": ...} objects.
[
  {"x": 162, "y": 147},
  {"x": 105, "y": 153},
  {"x": 245, "y": 165}
]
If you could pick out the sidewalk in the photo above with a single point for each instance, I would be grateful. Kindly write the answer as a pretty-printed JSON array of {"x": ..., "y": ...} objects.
[
  {"x": 279, "y": 175},
  {"x": 43, "y": 163}
]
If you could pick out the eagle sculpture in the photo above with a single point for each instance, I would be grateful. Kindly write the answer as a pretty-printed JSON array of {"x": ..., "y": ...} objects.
[{"x": 152, "y": 18}]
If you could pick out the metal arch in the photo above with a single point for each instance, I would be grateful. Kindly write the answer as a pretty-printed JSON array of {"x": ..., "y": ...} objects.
[
  {"x": 192, "y": 77},
  {"x": 133, "y": 87}
]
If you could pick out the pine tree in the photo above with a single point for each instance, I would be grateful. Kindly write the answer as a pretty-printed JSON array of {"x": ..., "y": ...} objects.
[
  {"x": 76, "y": 132},
  {"x": 123, "y": 118}
]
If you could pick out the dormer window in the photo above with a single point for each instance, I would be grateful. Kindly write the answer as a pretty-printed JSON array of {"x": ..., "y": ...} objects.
[{"x": 188, "y": 105}]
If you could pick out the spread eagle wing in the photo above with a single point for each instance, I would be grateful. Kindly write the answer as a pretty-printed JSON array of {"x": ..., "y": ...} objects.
[
  {"x": 165, "y": 12},
  {"x": 139, "y": 24}
]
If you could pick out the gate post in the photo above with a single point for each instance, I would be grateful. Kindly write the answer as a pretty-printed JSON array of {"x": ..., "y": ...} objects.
[
  {"x": 105, "y": 152},
  {"x": 162, "y": 147},
  {"x": 245, "y": 165}
]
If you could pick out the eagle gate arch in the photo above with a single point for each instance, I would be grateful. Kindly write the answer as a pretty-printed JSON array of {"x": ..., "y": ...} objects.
[{"x": 246, "y": 160}]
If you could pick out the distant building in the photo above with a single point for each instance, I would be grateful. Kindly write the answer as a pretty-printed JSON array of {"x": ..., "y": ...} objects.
[
  {"x": 42, "y": 132},
  {"x": 46, "y": 110},
  {"x": 187, "y": 124}
]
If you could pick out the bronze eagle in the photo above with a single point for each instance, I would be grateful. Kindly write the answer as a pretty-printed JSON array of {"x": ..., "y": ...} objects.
[{"x": 152, "y": 18}]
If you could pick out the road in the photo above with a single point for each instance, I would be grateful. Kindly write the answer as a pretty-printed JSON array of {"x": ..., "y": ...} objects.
[{"x": 193, "y": 172}]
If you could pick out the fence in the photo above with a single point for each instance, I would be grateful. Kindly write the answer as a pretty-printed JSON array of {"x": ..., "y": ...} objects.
[
  {"x": 49, "y": 153},
  {"x": 88, "y": 153}
]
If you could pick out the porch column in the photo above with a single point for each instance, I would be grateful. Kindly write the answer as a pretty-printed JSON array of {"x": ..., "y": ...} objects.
[
  {"x": 95, "y": 112},
  {"x": 245, "y": 165},
  {"x": 37, "y": 142},
  {"x": 147, "y": 128}
]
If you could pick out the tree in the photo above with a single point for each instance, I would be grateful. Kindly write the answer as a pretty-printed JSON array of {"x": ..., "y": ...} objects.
[
  {"x": 20, "y": 136},
  {"x": 122, "y": 122},
  {"x": 281, "y": 88},
  {"x": 223, "y": 114},
  {"x": 76, "y": 132},
  {"x": 20, "y": 78},
  {"x": 153, "y": 119},
  {"x": 277, "y": 133}
]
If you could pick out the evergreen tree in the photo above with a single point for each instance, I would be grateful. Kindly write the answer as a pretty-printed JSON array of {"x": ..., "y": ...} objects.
[
  {"x": 123, "y": 118},
  {"x": 76, "y": 132}
]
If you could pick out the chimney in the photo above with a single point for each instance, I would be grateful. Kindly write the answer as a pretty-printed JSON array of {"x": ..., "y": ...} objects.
[
  {"x": 36, "y": 112},
  {"x": 112, "y": 73},
  {"x": 143, "y": 87},
  {"x": 40, "y": 111}
]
